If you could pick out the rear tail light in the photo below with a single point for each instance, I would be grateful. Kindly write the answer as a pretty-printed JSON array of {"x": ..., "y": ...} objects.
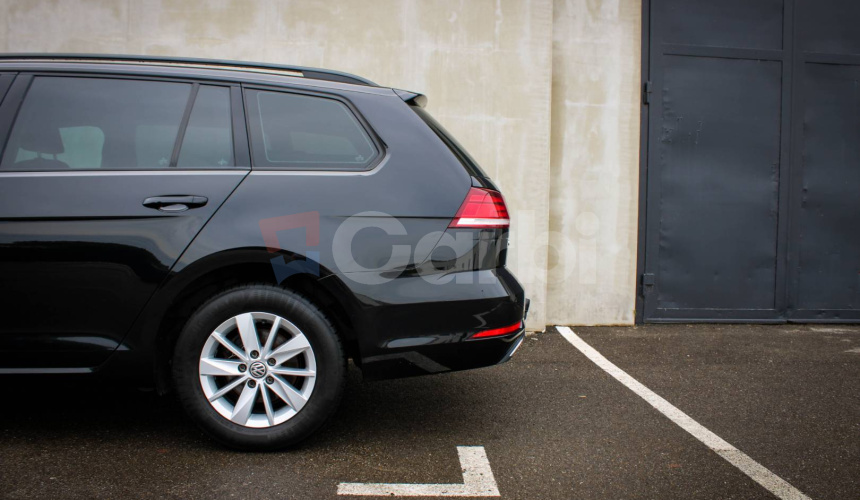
[{"x": 482, "y": 208}]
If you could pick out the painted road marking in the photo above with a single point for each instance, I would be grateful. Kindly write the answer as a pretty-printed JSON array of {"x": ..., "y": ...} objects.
[
  {"x": 734, "y": 456},
  {"x": 478, "y": 481}
]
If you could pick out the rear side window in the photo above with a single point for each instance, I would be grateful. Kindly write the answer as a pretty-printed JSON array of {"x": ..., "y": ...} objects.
[
  {"x": 93, "y": 123},
  {"x": 302, "y": 132}
]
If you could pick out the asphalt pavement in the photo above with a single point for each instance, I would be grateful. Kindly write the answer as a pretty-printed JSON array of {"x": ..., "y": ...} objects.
[{"x": 552, "y": 423}]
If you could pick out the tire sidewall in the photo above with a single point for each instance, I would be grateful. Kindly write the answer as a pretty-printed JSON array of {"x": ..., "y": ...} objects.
[{"x": 330, "y": 366}]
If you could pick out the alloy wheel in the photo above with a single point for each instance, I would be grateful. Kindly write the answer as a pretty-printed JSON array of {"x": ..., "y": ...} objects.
[{"x": 257, "y": 369}]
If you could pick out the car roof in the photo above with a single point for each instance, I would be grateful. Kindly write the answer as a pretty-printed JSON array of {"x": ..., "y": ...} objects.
[{"x": 243, "y": 71}]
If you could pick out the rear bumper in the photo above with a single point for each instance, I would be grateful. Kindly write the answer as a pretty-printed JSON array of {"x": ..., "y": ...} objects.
[
  {"x": 441, "y": 358},
  {"x": 422, "y": 325}
]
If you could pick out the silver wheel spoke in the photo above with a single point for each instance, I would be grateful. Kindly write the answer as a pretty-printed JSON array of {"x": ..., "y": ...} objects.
[
  {"x": 245, "y": 405},
  {"x": 272, "y": 334},
  {"x": 288, "y": 393},
  {"x": 248, "y": 332},
  {"x": 290, "y": 349},
  {"x": 220, "y": 367},
  {"x": 230, "y": 346},
  {"x": 267, "y": 403},
  {"x": 227, "y": 388},
  {"x": 295, "y": 372}
]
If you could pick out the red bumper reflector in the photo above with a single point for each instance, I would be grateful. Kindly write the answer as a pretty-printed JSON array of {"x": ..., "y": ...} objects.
[{"x": 495, "y": 332}]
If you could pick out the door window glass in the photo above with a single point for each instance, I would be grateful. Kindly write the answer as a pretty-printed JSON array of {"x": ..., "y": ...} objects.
[{"x": 94, "y": 123}]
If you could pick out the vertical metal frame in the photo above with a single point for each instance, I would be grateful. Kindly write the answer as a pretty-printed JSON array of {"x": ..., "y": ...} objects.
[
  {"x": 796, "y": 183},
  {"x": 651, "y": 190},
  {"x": 787, "y": 166},
  {"x": 644, "y": 132}
]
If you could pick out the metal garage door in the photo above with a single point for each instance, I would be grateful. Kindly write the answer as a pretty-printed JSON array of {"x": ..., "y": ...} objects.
[{"x": 752, "y": 170}]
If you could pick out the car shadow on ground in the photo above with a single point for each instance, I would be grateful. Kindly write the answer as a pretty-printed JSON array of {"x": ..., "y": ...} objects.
[{"x": 87, "y": 409}]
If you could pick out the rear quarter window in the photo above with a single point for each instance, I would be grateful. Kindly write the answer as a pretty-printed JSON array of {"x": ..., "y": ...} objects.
[{"x": 304, "y": 132}]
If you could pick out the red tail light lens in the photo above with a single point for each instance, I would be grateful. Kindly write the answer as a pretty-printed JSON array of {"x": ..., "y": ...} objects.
[{"x": 482, "y": 208}]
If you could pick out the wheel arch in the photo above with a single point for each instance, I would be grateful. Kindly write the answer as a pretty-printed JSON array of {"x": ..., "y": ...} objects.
[{"x": 189, "y": 289}]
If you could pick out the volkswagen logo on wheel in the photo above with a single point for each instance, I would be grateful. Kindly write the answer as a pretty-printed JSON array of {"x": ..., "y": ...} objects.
[{"x": 257, "y": 370}]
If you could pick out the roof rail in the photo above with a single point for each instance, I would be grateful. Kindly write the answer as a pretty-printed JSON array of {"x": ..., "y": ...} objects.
[{"x": 314, "y": 73}]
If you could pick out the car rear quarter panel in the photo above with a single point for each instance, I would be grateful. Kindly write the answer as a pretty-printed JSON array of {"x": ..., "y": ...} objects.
[{"x": 417, "y": 182}]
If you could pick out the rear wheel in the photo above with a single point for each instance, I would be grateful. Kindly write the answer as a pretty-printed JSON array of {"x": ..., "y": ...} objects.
[{"x": 258, "y": 367}]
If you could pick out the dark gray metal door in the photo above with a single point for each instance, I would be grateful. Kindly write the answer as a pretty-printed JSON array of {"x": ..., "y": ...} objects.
[{"x": 753, "y": 161}]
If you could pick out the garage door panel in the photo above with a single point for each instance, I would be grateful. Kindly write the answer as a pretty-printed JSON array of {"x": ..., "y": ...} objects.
[
  {"x": 727, "y": 23},
  {"x": 829, "y": 26},
  {"x": 829, "y": 244},
  {"x": 752, "y": 205},
  {"x": 718, "y": 156}
]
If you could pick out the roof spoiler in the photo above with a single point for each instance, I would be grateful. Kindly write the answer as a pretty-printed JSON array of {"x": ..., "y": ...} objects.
[{"x": 412, "y": 98}]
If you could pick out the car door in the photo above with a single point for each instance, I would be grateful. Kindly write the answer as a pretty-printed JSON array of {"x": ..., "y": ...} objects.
[{"x": 103, "y": 183}]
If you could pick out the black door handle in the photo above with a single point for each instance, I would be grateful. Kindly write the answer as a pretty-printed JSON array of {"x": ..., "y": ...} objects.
[{"x": 179, "y": 203}]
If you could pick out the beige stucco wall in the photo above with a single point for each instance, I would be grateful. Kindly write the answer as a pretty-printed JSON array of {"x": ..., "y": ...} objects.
[
  {"x": 499, "y": 74},
  {"x": 595, "y": 161}
]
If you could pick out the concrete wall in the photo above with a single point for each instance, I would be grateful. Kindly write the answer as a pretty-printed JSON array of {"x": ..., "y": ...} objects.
[
  {"x": 499, "y": 75},
  {"x": 595, "y": 161}
]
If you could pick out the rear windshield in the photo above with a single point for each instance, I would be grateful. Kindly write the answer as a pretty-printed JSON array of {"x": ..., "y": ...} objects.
[{"x": 459, "y": 151}]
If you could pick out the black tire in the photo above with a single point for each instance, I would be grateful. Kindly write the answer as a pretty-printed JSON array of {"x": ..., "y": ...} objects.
[{"x": 328, "y": 351}]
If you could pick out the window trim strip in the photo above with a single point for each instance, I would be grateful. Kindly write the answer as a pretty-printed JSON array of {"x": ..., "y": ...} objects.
[
  {"x": 11, "y": 106},
  {"x": 183, "y": 124},
  {"x": 6, "y": 80}
]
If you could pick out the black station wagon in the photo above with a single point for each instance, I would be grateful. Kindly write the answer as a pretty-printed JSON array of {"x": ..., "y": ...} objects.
[{"x": 235, "y": 232}]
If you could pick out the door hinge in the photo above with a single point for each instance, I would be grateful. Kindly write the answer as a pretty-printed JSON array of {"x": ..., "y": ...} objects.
[
  {"x": 648, "y": 279},
  {"x": 646, "y": 93}
]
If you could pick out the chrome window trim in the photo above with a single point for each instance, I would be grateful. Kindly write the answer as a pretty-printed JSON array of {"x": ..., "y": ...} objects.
[
  {"x": 362, "y": 173},
  {"x": 93, "y": 173}
]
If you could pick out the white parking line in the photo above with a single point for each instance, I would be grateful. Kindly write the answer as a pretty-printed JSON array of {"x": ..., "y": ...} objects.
[
  {"x": 734, "y": 456},
  {"x": 478, "y": 481}
]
